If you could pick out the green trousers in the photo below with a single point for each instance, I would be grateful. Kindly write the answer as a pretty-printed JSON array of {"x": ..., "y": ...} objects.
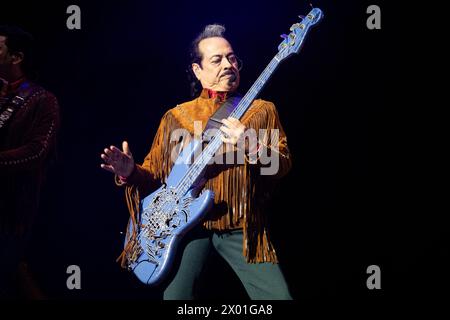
[{"x": 262, "y": 281}]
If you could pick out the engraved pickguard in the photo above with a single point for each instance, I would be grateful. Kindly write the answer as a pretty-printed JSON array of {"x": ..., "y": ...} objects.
[{"x": 160, "y": 219}]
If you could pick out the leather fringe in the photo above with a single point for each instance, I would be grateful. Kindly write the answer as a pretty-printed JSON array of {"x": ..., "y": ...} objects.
[
  {"x": 241, "y": 188},
  {"x": 131, "y": 249},
  {"x": 246, "y": 193}
]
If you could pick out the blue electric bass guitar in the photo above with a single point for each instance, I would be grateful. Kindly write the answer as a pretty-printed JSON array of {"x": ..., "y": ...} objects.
[{"x": 167, "y": 214}]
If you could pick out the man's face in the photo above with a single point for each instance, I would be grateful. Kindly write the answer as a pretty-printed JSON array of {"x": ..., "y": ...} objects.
[
  {"x": 219, "y": 68},
  {"x": 5, "y": 57}
]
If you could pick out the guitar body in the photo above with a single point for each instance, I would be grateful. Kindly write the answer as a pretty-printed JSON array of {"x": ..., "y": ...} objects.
[{"x": 165, "y": 217}]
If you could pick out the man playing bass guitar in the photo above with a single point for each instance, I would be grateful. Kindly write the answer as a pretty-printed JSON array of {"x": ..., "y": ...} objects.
[{"x": 236, "y": 226}]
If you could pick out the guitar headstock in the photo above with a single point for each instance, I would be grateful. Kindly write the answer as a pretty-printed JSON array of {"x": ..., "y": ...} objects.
[{"x": 293, "y": 42}]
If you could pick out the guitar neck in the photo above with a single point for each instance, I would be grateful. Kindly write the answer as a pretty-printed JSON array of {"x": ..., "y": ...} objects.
[
  {"x": 210, "y": 150},
  {"x": 255, "y": 89}
]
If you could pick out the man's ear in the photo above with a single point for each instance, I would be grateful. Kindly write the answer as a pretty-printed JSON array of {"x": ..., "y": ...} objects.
[
  {"x": 196, "y": 69},
  {"x": 17, "y": 57}
]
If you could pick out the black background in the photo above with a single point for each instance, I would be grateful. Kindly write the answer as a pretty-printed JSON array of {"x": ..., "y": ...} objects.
[{"x": 350, "y": 200}]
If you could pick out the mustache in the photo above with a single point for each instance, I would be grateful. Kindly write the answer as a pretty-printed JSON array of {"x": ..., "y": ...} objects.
[{"x": 229, "y": 72}]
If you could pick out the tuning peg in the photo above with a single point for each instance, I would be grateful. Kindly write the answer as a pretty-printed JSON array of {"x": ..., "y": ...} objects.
[
  {"x": 284, "y": 36},
  {"x": 301, "y": 17},
  {"x": 295, "y": 25}
]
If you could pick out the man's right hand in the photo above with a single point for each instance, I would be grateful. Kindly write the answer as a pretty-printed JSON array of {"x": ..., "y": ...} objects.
[{"x": 118, "y": 162}]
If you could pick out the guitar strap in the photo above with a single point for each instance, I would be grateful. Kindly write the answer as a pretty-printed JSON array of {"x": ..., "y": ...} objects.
[
  {"x": 215, "y": 121},
  {"x": 9, "y": 105}
]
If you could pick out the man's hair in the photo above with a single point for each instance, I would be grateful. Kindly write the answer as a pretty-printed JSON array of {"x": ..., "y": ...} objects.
[
  {"x": 195, "y": 56},
  {"x": 18, "y": 40},
  {"x": 210, "y": 31}
]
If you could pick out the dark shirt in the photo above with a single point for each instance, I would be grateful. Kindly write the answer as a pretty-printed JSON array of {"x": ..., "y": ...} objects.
[{"x": 27, "y": 142}]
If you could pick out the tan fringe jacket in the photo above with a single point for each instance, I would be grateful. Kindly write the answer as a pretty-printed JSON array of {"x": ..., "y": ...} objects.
[{"x": 240, "y": 191}]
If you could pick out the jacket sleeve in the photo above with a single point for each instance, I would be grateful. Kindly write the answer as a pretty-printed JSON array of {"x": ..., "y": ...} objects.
[
  {"x": 158, "y": 162},
  {"x": 273, "y": 157},
  {"x": 39, "y": 141}
]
